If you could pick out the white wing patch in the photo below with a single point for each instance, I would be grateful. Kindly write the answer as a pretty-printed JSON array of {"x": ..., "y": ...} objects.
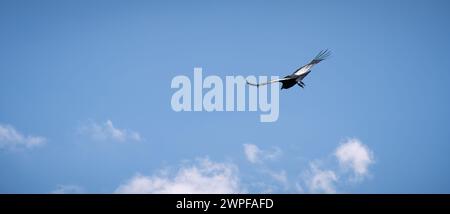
[{"x": 304, "y": 69}]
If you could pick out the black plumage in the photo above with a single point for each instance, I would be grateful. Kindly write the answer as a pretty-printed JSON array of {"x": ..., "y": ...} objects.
[{"x": 296, "y": 78}]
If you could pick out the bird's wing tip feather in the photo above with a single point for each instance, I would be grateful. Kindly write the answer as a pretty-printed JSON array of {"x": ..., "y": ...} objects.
[
  {"x": 323, "y": 54},
  {"x": 252, "y": 84}
]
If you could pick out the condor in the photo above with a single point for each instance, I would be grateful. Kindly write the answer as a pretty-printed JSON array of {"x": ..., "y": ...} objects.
[{"x": 298, "y": 75}]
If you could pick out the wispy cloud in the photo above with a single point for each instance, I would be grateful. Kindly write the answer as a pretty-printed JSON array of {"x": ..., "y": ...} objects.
[
  {"x": 10, "y": 138},
  {"x": 107, "y": 131},
  {"x": 280, "y": 176},
  {"x": 204, "y": 176},
  {"x": 256, "y": 155},
  {"x": 356, "y": 156},
  {"x": 68, "y": 189},
  {"x": 320, "y": 181},
  {"x": 259, "y": 158}
]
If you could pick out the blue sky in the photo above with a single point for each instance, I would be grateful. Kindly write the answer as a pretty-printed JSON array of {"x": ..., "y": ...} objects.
[{"x": 85, "y": 96}]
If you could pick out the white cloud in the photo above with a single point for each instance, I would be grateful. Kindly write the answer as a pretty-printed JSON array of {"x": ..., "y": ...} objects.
[
  {"x": 11, "y": 138},
  {"x": 203, "y": 177},
  {"x": 355, "y": 156},
  {"x": 68, "y": 189},
  {"x": 298, "y": 188},
  {"x": 255, "y": 155},
  {"x": 107, "y": 131},
  {"x": 252, "y": 152},
  {"x": 320, "y": 181},
  {"x": 352, "y": 155},
  {"x": 280, "y": 176}
]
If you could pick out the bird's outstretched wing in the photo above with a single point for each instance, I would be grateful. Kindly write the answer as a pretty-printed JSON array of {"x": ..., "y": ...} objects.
[
  {"x": 268, "y": 82},
  {"x": 306, "y": 68}
]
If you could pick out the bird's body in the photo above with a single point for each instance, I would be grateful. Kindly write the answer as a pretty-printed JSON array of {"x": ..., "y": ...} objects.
[
  {"x": 288, "y": 82},
  {"x": 298, "y": 75}
]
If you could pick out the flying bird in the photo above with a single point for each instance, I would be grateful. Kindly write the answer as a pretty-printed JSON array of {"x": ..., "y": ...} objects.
[{"x": 299, "y": 74}]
